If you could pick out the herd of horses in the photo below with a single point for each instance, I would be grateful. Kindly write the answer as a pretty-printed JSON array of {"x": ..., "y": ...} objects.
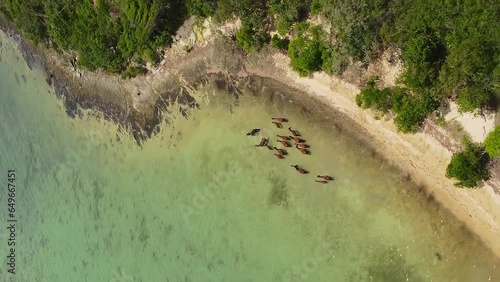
[{"x": 286, "y": 141}]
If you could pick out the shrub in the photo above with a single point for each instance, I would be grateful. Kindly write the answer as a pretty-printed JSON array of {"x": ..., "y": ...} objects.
[
  {"x": 469, "y": 166},
  {"x": 316, "y": 6},
  {"x": 202, "y": 8},
  {"x": 411, "y": 110},
  {"x": 133, "y": 71},
  {"x": 225, "y": 10},
  {"x": 371, "y": 97},
  {"x": 301, "y": 28},
  {"x": 28, "y": 16},
  {"x": 472, "y": 98},
  {"x": 105, "y": 34},
  {"x": 244, "y": 38},
  {"x": 470, "y": 71},
  {"x": 492, "y": 143},
  {"x": 283, "y": 26},
  {"x": 441, "y": 121},
  {"x": 334, "y": 62},
  {"x": 279, "y": 43},
  {"x": 287, "y": 12},
  {"x": 423, "y": 56},
  {"x": 305, "y": 55},
  {"x": 249, "y": 39}
]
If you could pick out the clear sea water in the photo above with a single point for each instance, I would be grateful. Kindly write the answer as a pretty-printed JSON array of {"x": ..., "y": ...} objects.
[{"x": 200, "y": 203}]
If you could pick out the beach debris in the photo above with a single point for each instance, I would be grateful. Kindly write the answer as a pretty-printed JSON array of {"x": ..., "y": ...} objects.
[
  {"x": 294, "y": 132},
  {"x": 254, "y": 131},
  {"x": 263, "y": 142},
  {"x": 299, "y": 169},
  {"x": 278, "y": 119},
  {"x": 278, "y": 125}
]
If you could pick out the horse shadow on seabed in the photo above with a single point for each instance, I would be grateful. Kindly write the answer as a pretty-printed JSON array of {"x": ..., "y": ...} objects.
[{"x": 119, "y": 275}]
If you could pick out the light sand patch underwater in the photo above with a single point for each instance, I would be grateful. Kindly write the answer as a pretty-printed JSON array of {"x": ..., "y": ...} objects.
[{"x": 199, "y": 202}]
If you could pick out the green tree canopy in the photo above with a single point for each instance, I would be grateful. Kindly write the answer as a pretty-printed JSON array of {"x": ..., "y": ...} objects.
[
  {"x": 492, "y": 143},
  {"x": 279, "y": 43},
  {"x": 111, "y": 35},
  {"x": 469, "y": 166},
  {"x": 305, "y": 55},
  {"x": 287, "y": 12}
]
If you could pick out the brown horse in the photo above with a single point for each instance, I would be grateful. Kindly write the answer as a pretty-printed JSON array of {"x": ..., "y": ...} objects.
[
  {"x": 326, "y": 177},
  {"x": 278, "y": 125},
  {"x": 284, "y": 143},
  {"x": 322, "y": 181},
  {"x": 303, "y": 151},
  {"x": 278, "y": 119},
  {"x": 280, "y": 151},
  {"x": 253, "y": 132},
  {"x": 296, "y": 139},
  {"x": 280, "y": 156},
  {"x": 294, "y": 132},
  {"x": 300, "y": 170},
  {"x": 263, "y": 142},
  {"x": 283, "y": 137},
  {"x": 301, "y": 145}
]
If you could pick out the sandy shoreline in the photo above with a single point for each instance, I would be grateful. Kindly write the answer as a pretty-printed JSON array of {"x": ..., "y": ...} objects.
[
  {"x": 138, "y": 104},
  {"x": 421, "y": 155}
]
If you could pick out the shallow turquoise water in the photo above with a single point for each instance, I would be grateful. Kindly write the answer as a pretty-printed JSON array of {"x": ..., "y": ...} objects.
[{"x": 200, "y": 203}]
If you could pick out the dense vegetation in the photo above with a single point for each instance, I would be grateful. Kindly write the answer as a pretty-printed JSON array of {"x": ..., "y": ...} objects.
[
  {"x": 117, "y": 36},
  {"x": 492, "y": 143},
  {"x": 469, "y": 166},
  {"x": 410, "y": 109},
  {"x": 451, "y": 52}
]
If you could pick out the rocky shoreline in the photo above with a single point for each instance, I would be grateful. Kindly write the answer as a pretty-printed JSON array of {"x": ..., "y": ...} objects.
[
  {"x": 141, "y": 121},
  {"x": 78, "y": 94}
]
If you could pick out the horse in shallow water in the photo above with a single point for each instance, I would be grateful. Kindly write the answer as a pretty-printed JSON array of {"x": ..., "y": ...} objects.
[
  {"x": 253, "y": 132},
  {"x": 296, "y": 139},
  {"x": 294, "y": 132},
  {"x": 284, "y": 143},
  {"x": 278, "y": 119},
  {"x": 303, "y": 151},
  {"x": 280, "y": 156},
  {"x": 263, "y": 142},
  {"x": 326, "y": 177},
  {"x": 278, "y": 125},
  {"x": 280, "y": 151},
  {"x": 299, "y": 169}
]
